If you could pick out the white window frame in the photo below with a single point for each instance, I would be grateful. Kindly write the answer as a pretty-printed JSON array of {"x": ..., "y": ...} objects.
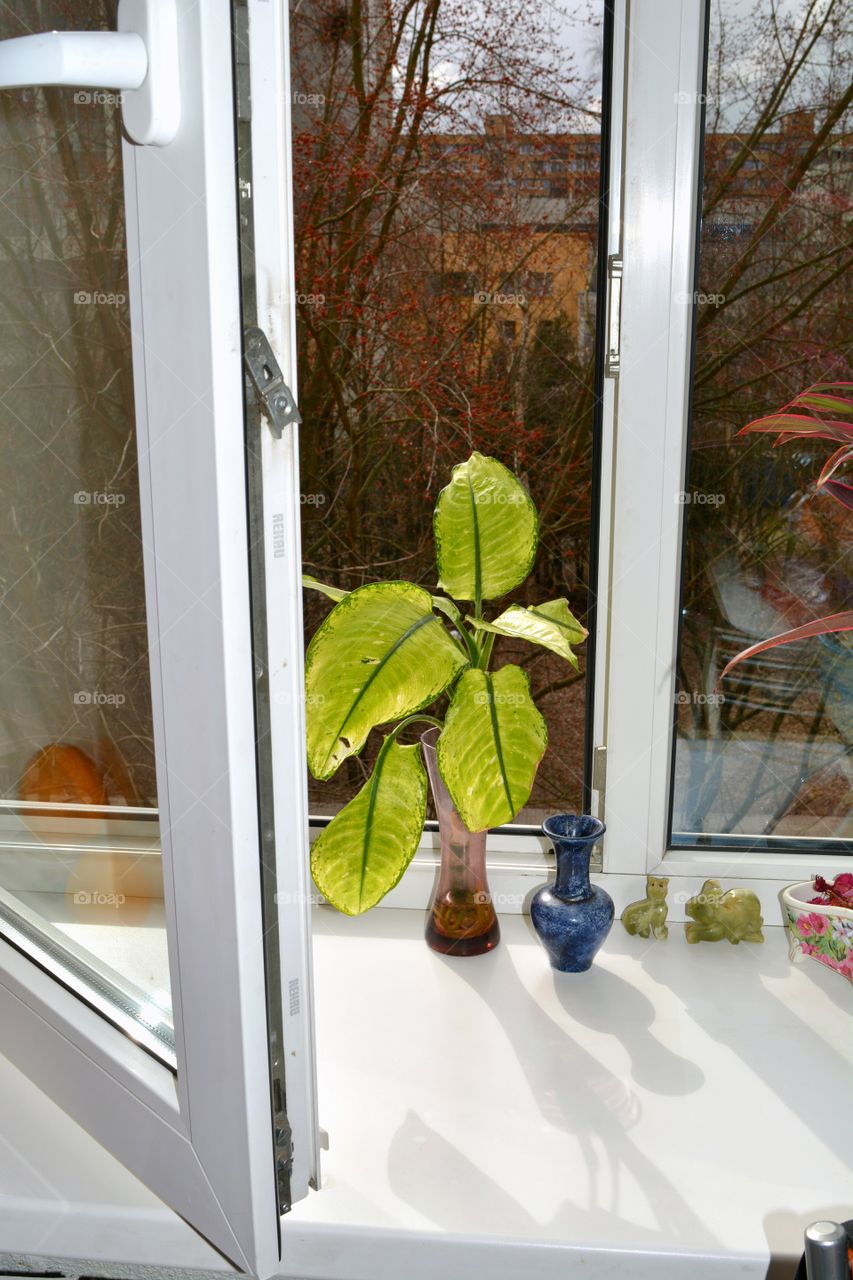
[
  {"x": 641, "y": 582},
  {"x": 272, "y": 212},
  {"x": 519, "y": 860},
  {"x": 655, "y": 153},
  {"x": 201, "y": 1138},
  {"x": 656, "y": 88}
]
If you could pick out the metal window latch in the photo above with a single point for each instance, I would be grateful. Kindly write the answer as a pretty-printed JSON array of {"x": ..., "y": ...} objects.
[
  {"x": 614, "y": 315},
  {"x": 273, "y": 392}
]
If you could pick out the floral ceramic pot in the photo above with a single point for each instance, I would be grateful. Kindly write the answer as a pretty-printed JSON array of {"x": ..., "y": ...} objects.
[{"x": 824, "y": 932}]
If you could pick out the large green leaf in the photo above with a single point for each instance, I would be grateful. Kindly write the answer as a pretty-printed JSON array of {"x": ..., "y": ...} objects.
[
  {"x": 552, "y": 625},
  {"x": 380, "y": 655},
  {"x": 441, "y": 603},
  {"x": 366, "y": 847},
  {"x": 490, "y": 748},
  {"x": 486, "y": 531}
]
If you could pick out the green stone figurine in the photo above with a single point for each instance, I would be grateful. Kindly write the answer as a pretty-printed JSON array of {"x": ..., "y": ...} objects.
[
  {"x": 649, "y": 914},
  {"x": 735, "y": 915}
]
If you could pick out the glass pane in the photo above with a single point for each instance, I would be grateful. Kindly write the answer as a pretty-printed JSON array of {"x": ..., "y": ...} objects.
[
  {"x": 447, "y": 168},
  {"x": 764, "y": 756},
  {"x": 80, "y": 870}
]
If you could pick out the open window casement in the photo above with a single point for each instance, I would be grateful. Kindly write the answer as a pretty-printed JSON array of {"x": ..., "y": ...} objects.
[{"x": 154, "y": 970}]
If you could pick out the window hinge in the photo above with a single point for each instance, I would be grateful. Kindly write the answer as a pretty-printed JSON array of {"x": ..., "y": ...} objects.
[
  {"x": 282, "y": 1132},
  {"x": 599, "y": 769},
  {"x": 614, "y": 315},
  {"x": 275, "y": 395},
  {"x": 283, "y": 1136}
]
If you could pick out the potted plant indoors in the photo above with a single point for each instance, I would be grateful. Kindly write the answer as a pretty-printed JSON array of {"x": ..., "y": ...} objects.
[
  {"x": 821, "y": 926},
  {"x": 384, "y": 655},
  {"x": 822, "y": 412}
]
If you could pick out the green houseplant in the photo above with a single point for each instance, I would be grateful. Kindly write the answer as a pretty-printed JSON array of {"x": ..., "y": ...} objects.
[{"x": 389, "y": 650}]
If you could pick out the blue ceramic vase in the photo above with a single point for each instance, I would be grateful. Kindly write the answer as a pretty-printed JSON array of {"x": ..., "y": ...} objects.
[{"x": 571, "y": 916}]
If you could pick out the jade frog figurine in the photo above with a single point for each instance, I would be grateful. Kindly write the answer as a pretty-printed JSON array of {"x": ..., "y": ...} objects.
[
  {"x": 735, "y": 915},
  {"x": 649, "y": 914}
]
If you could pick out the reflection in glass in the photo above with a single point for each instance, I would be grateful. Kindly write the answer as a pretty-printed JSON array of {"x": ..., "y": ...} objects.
[
  {"x": 80, "y": 868},
  {"x": 767, "y": 753},
  {"x": 447, "y": 164}
]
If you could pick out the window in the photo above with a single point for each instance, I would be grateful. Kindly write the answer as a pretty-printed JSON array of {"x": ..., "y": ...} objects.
[
  {"x": 399, "y": 380},
  {"x": 131, "y": 884},
  {"x": 719, "y": 347},
  {"x": 80, "y": 873},
  {"x": 763, "y": 759}
]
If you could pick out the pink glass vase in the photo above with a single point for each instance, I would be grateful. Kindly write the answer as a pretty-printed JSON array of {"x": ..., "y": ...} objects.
[{"x": 461, "y": 920}]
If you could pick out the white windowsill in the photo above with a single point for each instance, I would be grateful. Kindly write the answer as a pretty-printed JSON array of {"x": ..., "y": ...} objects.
[{"x": 676, "y": 1102}]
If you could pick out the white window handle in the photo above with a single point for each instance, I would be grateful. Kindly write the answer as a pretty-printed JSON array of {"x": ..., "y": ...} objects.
[{"x": 140, "y": 60}]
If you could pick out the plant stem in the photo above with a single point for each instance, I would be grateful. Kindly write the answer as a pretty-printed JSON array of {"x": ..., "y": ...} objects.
[
  {"x": 473, "y": 648},
  {"x": 486, "y": 651},
  {"x": 392, "y": 736}
]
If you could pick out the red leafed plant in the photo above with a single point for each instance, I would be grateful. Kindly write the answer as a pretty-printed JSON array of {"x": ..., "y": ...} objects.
[
  {"x": 823, "y": 412},
  {"x": 839, "y": 893}
]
